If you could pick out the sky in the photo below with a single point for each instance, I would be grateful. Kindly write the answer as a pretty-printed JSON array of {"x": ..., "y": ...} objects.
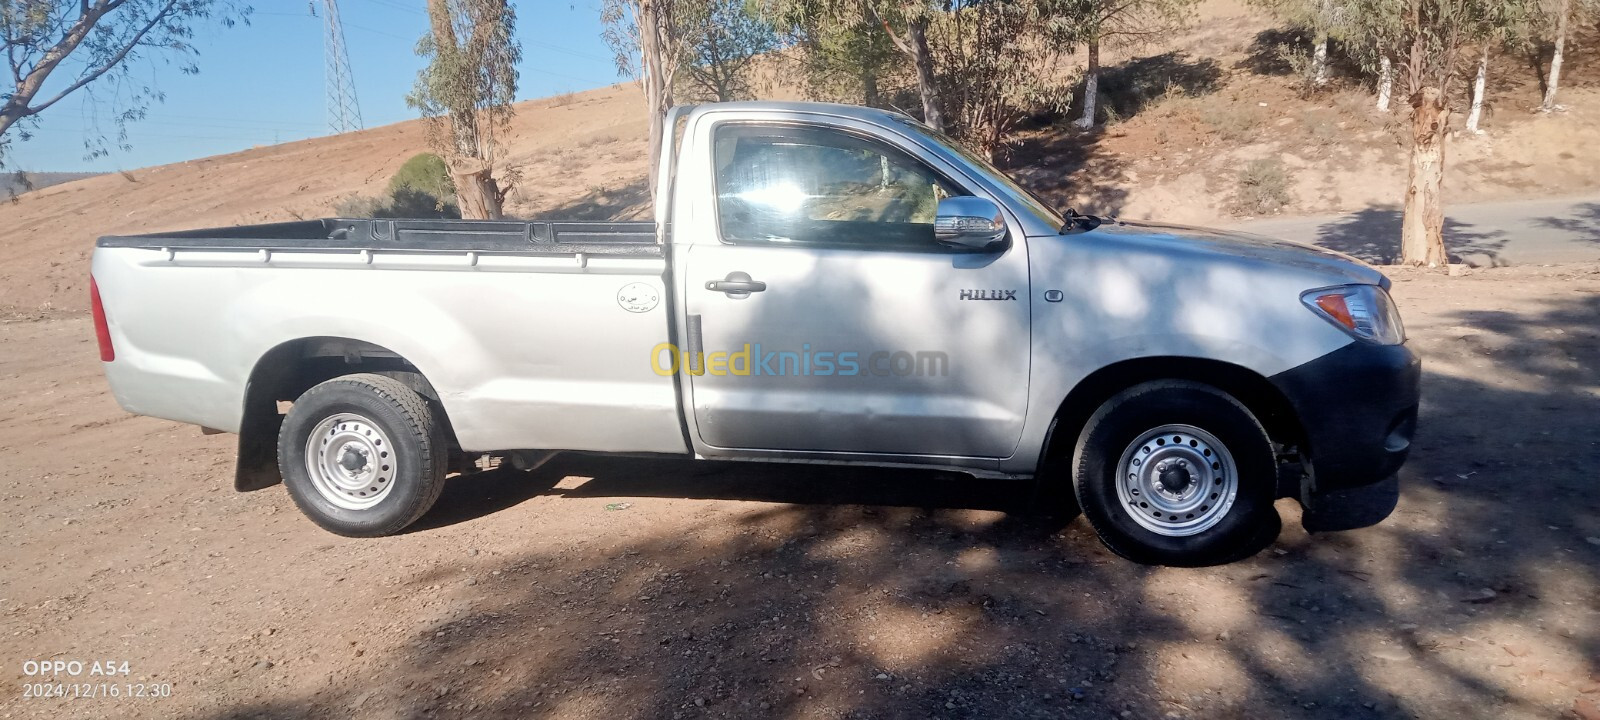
[{"x": 262, "y": 84}]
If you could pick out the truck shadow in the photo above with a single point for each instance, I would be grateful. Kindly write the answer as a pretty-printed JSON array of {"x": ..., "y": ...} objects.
[{"x": 471, "y": 496}]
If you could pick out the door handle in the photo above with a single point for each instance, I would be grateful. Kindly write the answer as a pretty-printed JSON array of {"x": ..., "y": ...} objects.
[{"x": 737, "y": 285}]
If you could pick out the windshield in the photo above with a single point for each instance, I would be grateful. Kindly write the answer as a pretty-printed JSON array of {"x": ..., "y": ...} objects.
[{"x": 1022, "y": 197}]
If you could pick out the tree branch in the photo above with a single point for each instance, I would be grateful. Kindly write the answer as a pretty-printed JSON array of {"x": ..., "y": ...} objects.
[
  {"x": 82, "y": 28},
  {"x": 899, "y": 43}
]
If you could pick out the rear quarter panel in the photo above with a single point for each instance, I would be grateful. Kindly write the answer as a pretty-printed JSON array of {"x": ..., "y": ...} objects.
[{"x": 525, "y": 351}]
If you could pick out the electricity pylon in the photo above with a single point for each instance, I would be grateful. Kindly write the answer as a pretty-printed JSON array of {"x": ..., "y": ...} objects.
[{"x": 344, "y": 113}]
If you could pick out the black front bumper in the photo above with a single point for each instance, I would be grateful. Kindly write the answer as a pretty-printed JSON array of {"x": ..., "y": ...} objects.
[{"x": 1358, "y": 408}]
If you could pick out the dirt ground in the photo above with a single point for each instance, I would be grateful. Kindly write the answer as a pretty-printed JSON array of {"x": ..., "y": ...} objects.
[{"x": 620, "y": 588}]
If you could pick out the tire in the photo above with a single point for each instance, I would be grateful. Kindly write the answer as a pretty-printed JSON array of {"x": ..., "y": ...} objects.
[
  {"x": 380, "y": 464},
  {"x": 1206, "y": 495}
]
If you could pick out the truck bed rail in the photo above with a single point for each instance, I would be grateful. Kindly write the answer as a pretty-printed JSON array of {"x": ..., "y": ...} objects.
[{"x": 636, "y": 239}]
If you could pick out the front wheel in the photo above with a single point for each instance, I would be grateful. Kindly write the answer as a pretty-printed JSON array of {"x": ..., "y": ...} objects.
[
  {"x": 1176, "y": 473},
  {"x": 362, "y": 455}
]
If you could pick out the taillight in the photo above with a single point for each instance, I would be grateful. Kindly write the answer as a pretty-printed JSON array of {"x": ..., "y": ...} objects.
[{"x": 102, "y": 332}]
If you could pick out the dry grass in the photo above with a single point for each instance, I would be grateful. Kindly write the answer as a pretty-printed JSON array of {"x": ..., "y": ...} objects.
[
  {"x": 1263, "y": 187},
  {"x": 1233, "y": 122}
]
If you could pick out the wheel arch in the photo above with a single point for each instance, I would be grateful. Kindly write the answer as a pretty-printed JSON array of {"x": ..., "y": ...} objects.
[
  {"x": 289, "y": 369},
  {"x": 1271, "y": 408}
]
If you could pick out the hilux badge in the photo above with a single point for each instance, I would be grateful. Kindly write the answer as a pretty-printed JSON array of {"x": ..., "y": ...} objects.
[
  {"x": 988, "y": 295},
  {"x": 638, "y": 298}
]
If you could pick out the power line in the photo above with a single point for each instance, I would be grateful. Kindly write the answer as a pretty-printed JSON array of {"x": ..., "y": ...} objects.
[
  {"x": 377, "y": 32},
  {"x": 398, "y": 6},
  {"x": 570, "y": 51},
  {"x": 255, "y": 137}
]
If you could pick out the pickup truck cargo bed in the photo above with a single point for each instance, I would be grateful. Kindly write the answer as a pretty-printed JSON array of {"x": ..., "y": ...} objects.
[{"x": 593, "y": 238}]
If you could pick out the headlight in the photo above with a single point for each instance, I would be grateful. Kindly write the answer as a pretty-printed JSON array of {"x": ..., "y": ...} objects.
[{"x": 1364, "y": 311}]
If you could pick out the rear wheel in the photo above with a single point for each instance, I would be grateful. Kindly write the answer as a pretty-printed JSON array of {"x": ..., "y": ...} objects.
[
  {"x": 362, "y": 455},
  {"x": 1176, "y": 473}
]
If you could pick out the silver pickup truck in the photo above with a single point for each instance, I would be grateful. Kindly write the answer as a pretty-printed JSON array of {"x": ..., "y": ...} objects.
[{"x": 822, "y": 284}]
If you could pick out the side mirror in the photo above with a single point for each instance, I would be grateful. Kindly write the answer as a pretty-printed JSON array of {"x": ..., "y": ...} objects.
[{"x": 970, "y": 223}]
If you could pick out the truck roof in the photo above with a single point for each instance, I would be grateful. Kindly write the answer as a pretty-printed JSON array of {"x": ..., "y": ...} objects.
[{"x": 858, "y": 112}]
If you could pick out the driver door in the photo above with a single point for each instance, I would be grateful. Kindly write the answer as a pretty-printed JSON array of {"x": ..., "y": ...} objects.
[{"x": 830, "y": 319}]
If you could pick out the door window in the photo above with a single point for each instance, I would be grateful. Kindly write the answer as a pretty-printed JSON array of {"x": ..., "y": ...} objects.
[{"x": 816, "y": 187}]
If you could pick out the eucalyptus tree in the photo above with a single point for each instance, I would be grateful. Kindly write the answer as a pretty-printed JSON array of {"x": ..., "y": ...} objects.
[
  {"x": 904, "y": 24},
  {"x": 1322, "y": 19},
  {"x": 1000, "y": 61},
  {"x": 646, "y": 37},
  {"x": 1501, "y": 25},
  {"x": 1108, "y": 22},
  {"x": 71, "y": 45},
  {"x": 466, "y": 90},
  {"x": 1557, "y": 14},
  {"x": 722, "y": 40},
  {"x": 846, "y": 56},
  {"x": 1431, "y": 35}
]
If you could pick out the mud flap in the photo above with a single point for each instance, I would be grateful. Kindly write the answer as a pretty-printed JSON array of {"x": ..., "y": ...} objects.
[
  {"x": 257, "y": 468},
  {"x": 1350, "y": 508}
]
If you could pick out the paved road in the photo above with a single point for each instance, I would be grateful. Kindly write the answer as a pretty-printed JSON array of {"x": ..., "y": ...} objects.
[{"x": 1525, "y": 232}]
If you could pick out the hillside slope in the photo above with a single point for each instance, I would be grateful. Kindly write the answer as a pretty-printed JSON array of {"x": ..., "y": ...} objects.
[
  {"x": 1192, "y": 116},
  {"x": 17, "y": 183}
]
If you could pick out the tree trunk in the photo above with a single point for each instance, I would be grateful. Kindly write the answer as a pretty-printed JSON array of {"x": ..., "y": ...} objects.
[
  {"x": 477, "y": 192},
  {"x": 1422, "y": 229},
  {"x": 658, "y": 69},
  {"x": 869, "y": 88},
  {"x": 1564, "y": 10},
  {"x": 1319, "y": 61},
  {"x": 1385, "y": 82},
  {"x": 1091, "y": 86},
  {"x": 1478, "y": 86},
  {"x": 927, "y": 87},
  {"x": 8, "y": 117},
  {"x": 1319, "y": 53}
]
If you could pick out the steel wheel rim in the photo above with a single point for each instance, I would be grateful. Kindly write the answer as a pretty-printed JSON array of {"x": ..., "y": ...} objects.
[
  {"x": 1177, "y": 480},
  {"x": 351, "y": 461}
]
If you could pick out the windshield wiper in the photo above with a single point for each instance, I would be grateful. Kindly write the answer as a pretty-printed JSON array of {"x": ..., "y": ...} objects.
[{"x": 1079, "y": 221}]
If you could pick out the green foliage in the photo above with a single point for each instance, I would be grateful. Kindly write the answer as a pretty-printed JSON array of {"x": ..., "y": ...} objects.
[
  {"x": 721, "y": 40},
  {"x": 995, "y": 61},
  {"x": 996, "y": 68},
  {"x": 845, "y": 57},
  {"x": 358, "y": 206},
  {"x": 1263, "y": 187},
  {"x": 1113, "y": 21},
  {"x": 1426, "y": 38},
  {"x": 471, "y": 77},
  {"x": 1317, "y": 17},
  {"x": 421, "y": 188},
  {"x": 56, "y": 48},
  {"x": 1298, "y": 57},
  {"x": 401, "y": 203},
  {"x": 425, "y": 173}
]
